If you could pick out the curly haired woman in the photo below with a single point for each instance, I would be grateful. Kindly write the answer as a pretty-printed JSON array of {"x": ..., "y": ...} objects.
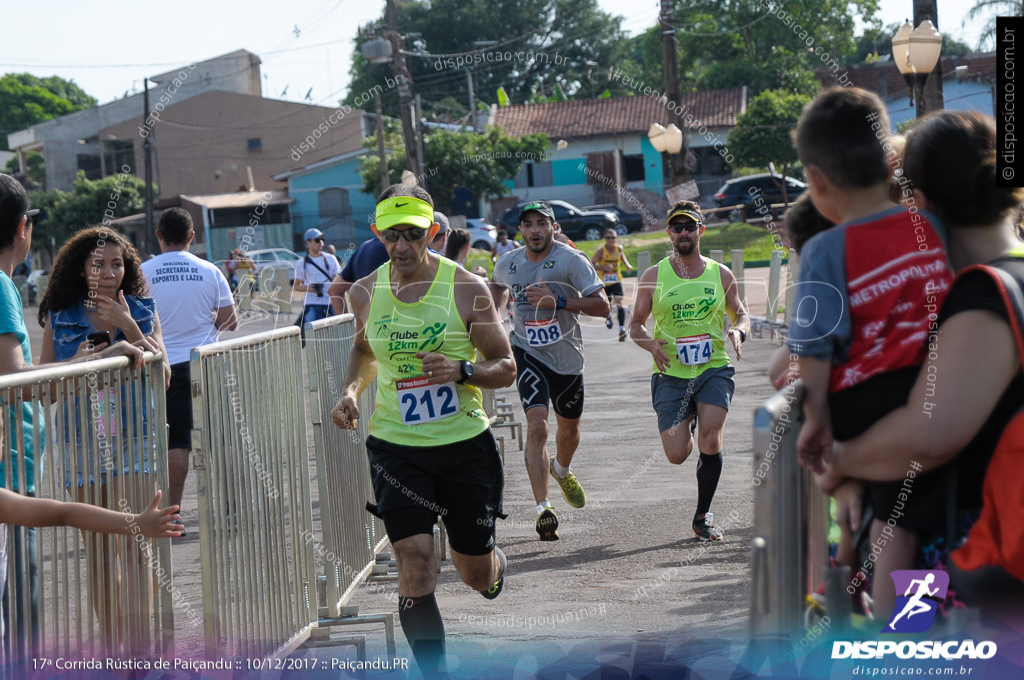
[{"x": 97, "y": 286}]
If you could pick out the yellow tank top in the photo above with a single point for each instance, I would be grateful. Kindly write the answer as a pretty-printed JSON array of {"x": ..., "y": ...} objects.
[
  {"x": 410, "y": 411},
  {"x": 614, "y": 276},
  {"x": 690, "y": 314}
]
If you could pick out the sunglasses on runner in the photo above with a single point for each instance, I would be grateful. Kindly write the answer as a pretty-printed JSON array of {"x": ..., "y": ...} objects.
[
  {"x": 412, "y": 234},
  {"x": 680, "y": 227}
]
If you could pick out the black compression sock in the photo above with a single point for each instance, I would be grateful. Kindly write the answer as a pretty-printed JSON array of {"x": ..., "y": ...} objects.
[
  {"x": 709, "y": 470},
  {"x": 622, "y": 316},
  {"x": 424, "y": 629}
]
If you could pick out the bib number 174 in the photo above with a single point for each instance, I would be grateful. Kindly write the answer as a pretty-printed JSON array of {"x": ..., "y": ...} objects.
[
  {"x": 422, "y": 402},
  {"x": 694, "y": 350}
]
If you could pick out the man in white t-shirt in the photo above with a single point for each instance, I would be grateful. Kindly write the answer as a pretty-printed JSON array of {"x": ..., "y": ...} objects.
[
  {"x": 313, "y": 275},
  {"x": 193, "y": 301}
]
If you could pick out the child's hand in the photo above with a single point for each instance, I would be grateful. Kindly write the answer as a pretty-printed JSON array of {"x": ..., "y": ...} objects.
[
  {"x": 160, "y": 523},
  {"x": 849, "y": 505},
  {"x": 814, "y": 447},
  {"x": 829, "y": 481}
]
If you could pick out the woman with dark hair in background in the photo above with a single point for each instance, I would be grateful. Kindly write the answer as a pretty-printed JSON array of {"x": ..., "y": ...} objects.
[{"x": 457, "y": 248}]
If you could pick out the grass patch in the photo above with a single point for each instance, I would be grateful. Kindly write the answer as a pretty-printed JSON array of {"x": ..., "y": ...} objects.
[{"x": 755, "y": 242}]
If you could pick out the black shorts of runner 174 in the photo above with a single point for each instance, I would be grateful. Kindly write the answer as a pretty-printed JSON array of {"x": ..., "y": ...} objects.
[{"x": 461, "y": 483}]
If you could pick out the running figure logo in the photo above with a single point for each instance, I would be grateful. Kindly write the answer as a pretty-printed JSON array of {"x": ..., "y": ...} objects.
[{"x": 915, "y": 609}]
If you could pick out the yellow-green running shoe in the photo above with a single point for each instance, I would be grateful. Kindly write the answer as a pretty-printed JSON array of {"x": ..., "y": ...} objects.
[
  {"x": 495, "y": 589},
  {"x": 572, "y": 492}
]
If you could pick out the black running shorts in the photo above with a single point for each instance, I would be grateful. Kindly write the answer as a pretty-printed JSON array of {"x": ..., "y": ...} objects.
[
  {"x": 538, "y": 384},
  {"x": 461, "y": 483},
  {"x": 613, "y": 289}
]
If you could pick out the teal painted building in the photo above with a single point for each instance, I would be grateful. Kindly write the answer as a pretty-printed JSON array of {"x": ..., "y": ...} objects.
[{"x": 329, "y": 195}]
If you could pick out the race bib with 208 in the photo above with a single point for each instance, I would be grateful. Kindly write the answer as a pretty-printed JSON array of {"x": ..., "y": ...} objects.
[{"x": 542, "y": 332}]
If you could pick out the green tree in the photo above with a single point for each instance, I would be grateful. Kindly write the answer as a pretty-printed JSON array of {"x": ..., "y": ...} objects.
[
  {"x": 539, "y": 46},
  {"x": 762, "y": 133},
  {"x": 762, "y": 45},
  {"x": 26, "y": 100},
  {"x": 65, "y": 212},
  {"x": 34, "y": 165},
  {"x": 990, "y": 9},
  {"x": 875, "y": 42},
  {"x": 482, "y": 162}
]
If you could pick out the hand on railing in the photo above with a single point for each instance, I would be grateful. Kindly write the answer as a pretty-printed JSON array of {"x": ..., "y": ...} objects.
[{"x": 814, "y": 445}]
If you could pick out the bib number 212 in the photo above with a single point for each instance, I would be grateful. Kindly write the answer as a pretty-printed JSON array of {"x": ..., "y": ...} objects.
[{"x": 422, "y": 402}]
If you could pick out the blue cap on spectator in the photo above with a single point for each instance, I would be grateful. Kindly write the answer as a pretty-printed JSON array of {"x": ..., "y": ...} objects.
[{"x": 311, "y": 233}]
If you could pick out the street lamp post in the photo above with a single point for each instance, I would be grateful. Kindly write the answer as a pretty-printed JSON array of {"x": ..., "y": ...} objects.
[
  {"x": 381, "y": 51},
  {"x": 667, "y": 140},
  {"x": 916, "y": 52}
]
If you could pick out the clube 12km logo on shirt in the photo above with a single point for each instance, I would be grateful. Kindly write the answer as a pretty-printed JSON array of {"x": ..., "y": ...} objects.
[{"x": 914, "y": 612}]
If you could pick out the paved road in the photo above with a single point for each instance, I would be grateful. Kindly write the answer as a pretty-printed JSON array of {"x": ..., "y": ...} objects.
[
  {"x": 627, "y": 574},
  {"x": 627, "y": 577}
]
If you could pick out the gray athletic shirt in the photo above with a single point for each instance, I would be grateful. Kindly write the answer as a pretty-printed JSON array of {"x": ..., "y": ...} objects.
[{"x": 568, "y": 272}]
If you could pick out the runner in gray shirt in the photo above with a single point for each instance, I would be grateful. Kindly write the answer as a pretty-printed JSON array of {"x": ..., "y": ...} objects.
[{"x": 551, "y": 285}]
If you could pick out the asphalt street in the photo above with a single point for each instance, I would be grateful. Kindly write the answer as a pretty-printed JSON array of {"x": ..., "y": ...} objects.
[{"x": 627, "y": 574}]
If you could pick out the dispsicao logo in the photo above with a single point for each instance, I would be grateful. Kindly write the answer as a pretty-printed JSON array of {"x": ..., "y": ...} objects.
[{"x": 914, "y": 611}]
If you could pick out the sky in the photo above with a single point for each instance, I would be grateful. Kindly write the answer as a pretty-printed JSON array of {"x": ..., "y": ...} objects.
[{"x": 109, "y": 46}]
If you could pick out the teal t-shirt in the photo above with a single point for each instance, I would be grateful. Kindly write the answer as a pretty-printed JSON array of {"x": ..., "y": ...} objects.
[{"x": 13, "y": 321}]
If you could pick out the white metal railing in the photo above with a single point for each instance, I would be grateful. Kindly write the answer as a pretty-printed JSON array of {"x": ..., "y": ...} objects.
[
  {"x": 104, "y": 443},
  {"x": 249, "y": 448}
]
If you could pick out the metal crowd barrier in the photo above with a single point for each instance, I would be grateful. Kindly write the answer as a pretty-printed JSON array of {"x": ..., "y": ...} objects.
[
  {"x": 104, "y": 443},
  {"x": 351, "y": 535},
  {"x": 790, "y": 547},
  {"x": 249, "y": 448}
]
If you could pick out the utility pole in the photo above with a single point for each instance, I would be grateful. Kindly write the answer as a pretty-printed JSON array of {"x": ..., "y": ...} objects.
[
  {"x": 932, "y": 99},
  {"x": 381, "y": 151},
  {"x": 418, "y": 109},
  {"x": 670, "y": 62},
  {"x": 472, "y": 100},
  {"x": 401, "y": 73},
  {"x": 147, "y": 152}
]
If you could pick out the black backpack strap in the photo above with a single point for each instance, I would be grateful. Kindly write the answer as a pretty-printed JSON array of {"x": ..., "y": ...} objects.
[
  {"x": 1007, "y": 273},
  {"x": 318, "y": 267}
]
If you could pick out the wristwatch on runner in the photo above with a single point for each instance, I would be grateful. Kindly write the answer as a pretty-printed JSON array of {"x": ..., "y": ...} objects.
[
  {"x": 743, "y": 335},
  {"x": 467, "y": 372}
]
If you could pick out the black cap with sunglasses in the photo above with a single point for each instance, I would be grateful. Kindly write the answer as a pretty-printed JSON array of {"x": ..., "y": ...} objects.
[{"x": 691, "y": 220}]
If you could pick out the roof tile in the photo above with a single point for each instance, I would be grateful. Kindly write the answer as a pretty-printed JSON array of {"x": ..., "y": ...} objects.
[{"x": 619, "y": 115}]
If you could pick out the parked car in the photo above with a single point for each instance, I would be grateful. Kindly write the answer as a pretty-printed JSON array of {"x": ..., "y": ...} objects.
[
  {"x": 755, "y": 191},
  {"x": 275, "y": 258},
  {"x": 481, "y": 235},
  {"x": 576, "y": 223},
  {"x": 629, "y": 222}
]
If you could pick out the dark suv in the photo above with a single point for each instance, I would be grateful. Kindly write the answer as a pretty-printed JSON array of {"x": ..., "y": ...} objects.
[
  {"x": 629, "y": 222},
  {"x": 576, "y": 223},
  {"x": 755, "y": 191}
]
